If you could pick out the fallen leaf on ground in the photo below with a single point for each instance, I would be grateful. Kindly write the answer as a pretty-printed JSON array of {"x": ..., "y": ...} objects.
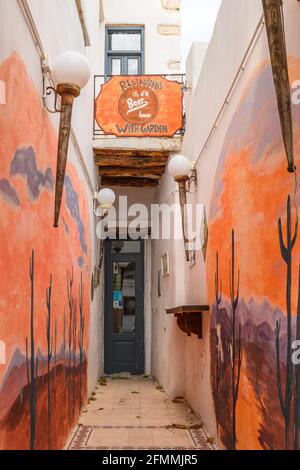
[
  {"x": 177, "y": 426},
  {"x": 184, "y": 426},
  {"x": 177, "y": 400},
  {"x": 102, "y": 381},
  {"x": 197, "y": 426}
]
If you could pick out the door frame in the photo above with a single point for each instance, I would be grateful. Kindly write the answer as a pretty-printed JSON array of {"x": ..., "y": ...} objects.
[{"x": 139, "y": 259}]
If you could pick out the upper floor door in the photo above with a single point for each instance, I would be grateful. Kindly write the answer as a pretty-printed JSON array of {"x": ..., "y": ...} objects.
[{"x": 124, "y": 51}]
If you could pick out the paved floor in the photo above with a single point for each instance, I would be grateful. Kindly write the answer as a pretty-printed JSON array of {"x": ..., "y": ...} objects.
[{"x": 134, "y": 413}]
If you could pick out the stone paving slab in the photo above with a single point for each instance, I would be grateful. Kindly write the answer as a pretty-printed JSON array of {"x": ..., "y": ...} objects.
[{"x": 134, "y": 414}]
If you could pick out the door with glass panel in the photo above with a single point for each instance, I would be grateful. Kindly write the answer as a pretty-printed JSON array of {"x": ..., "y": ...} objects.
[
  {"x": 124, "y": 51},
  {"x": 124, "y": 307}
]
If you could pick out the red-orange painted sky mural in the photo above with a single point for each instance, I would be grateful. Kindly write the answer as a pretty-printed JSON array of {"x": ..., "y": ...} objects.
[
  {"x": 28, "y": 147},
  {"x": 254, "y": 185},
  {"x": 250, "y": 195}
]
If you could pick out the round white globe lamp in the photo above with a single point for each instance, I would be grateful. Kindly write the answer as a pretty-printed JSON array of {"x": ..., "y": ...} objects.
[
  {"x": 179, "y": 167},
  {"x": 106, "y": 198},
  {"x": 72, "y": 68}
]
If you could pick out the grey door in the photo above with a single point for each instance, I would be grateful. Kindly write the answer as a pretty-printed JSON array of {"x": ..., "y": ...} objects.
[{"x": 124, "y": 307}]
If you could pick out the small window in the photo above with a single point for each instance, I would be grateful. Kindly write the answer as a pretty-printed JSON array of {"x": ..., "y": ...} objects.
[
  {"x": 123, "y": 246},
  {"x": 120, "y": 41},
  {"x": 124, "y": 51}
]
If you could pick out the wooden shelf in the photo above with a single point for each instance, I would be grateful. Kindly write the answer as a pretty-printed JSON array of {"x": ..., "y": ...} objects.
[{"x": 189, "y": 318}]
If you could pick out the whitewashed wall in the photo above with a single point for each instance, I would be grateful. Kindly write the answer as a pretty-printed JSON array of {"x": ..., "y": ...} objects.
[{"x": 162, "y": 23}]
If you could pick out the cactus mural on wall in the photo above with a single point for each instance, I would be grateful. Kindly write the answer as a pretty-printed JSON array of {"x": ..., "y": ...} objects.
[
  {"x": 71, "y": 314},
  {"x": 250, "y": 194},
  {"x": 286, "y": 395},
  {"x": 296, "y": 427},
  {"x": 49, "y": 353},
  {"x": 236, "y": 343},
  {"x": 55, "y": 357},
  {"x": 227, "y": 365},
  {"x": 32, "y": 362},
  {"x": 81, "y": 336},
  {"x": 28, "y": 160},
  {"x": 74, "y": 334},
  {"x": 64, "y": 345},
  {"x": 218, "y": 298}
]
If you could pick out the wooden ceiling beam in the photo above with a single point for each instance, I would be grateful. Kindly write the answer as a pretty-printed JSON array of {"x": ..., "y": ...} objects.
[
  {"x": 132, "y": 171},
  {"x": 131, "y": 174},
  {"x": 129, "y": 182},
  {"x": 120, "y": 161},
  {"x": 132, "y": 153}
]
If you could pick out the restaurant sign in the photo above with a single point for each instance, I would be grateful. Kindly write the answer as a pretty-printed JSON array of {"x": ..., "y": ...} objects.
[{"x": 140, "y": 106}]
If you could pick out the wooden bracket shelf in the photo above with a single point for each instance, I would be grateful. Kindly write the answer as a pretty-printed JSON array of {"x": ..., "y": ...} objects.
[{"x": 189, "y": 318}]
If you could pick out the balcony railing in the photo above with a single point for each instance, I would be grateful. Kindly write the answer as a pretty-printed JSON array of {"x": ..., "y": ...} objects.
[{"x": 100, "y": 80}]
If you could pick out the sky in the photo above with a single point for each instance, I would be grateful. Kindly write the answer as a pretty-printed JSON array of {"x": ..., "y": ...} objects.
[{"x": 198, "y": 18}]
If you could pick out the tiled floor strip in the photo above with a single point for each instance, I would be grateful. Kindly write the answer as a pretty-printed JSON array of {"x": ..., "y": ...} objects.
[{"x": 134, "y": 414}]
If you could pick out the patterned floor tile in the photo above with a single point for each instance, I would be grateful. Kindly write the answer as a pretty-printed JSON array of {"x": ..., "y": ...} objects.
[{"x": 121, "y": 419}]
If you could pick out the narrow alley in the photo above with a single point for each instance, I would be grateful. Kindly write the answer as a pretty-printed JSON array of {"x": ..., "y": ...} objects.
[
  {"x": 135, "y": 413},
  {"x": 149, "y": 228}
]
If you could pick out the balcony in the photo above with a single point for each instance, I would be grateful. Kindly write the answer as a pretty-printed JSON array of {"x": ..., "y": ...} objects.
[{"x": 138, "y": 123}]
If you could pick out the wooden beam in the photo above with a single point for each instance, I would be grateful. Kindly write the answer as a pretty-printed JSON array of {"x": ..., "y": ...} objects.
[
  {"x": 132, "y": 172},
  {"x": 132, "y": 152},
  {"x": 128, "y": 161},
  {"x": 129, "y": 182},
  {"x": 278, "y": 53}
]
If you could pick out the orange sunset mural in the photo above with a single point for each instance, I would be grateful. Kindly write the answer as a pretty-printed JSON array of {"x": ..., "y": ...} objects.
[
  {"x": 253, "y": 221},
  {"x": 45, "y": 276}
]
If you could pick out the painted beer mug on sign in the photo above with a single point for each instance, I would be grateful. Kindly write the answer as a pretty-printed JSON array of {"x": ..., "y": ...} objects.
[{"x": 138, "y": 105}]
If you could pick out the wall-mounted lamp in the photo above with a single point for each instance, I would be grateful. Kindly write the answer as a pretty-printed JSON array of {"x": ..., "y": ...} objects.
[
  {"x": 180, "y": 168},
  {"x": 71, "y": 72},
  {"x": 103, "y": 201}
]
